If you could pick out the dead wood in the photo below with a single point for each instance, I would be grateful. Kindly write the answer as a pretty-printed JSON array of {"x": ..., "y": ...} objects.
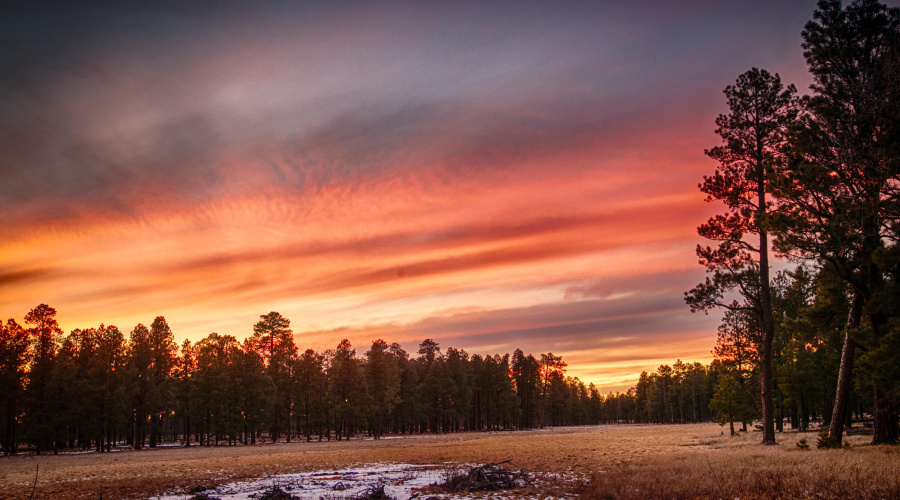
[
  {"x": 204, "y": 496},
  {"x": 276, "y": 493},
  {"x": 373, "y": 492},
  {"x": 487, "y": 477}
]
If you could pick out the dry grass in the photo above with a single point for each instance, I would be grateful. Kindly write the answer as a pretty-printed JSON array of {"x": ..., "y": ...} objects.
[
  {"x": 765, "y": 475},
  {"x": 641, "y": 461}
]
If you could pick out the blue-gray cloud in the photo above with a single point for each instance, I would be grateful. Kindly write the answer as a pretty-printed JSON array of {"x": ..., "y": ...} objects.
[{"x": 105, "y": 103}]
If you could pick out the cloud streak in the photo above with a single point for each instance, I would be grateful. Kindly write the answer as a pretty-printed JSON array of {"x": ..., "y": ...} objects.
[{"x": 491, "y": 175}]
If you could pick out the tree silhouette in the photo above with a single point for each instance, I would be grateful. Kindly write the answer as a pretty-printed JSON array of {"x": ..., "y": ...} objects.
[
  {"x": 552, "y": 368},
  {"x": 839, "y": 191},
  {"x": 309, "y": 376},
  {"x": 139, "y": 364},
  {"x": 272, "y": 335},
  {"x": 163, "y": 354},
  {"x": 406, "y": 412},
  {"x": 459, "y": 388},
  {"x": 256, "y": 391},
  {"x": 185, "y": 379},
  {"x": 347, "y": 388},
  {"x": 273, "y": 341},
  {"x": 383, "y": 381},
  {"x": 14, "y": 344},
  {"x": 526, "y": 372},
  {"x": 754, "y": 131},
  {"x": 46, "y": 336}
]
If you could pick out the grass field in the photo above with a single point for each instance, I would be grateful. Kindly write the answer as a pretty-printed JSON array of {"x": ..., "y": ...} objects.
[{"x": 623, "y": 461}]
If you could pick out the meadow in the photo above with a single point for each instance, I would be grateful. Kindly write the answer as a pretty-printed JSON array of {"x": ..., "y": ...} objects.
[{"x": 619, "y": 461}]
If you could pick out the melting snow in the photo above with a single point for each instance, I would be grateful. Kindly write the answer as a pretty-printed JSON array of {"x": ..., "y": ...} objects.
[{"x": 399, "y": 480}]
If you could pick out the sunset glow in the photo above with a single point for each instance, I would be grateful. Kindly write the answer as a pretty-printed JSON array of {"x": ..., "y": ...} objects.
[{"x": 493, "y": 176}]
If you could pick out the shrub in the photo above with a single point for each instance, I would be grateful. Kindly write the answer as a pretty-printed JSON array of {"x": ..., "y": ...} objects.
[{"x": 825, "y": 441}]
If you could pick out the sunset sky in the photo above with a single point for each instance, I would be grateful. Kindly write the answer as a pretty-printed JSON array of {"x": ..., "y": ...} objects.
[{"x": 492, "y": 175}]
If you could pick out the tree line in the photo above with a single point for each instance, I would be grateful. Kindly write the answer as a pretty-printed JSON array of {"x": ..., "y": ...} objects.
[
  {"x": 815, "y": 179},
  {"x": 97, "y": 388}
]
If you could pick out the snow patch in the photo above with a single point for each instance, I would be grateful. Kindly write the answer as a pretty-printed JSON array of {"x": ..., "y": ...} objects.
[{"x": 399, "y": 481}]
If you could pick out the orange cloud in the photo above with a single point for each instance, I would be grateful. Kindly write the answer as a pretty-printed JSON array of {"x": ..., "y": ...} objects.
[
  {"x": 394, "y": 251},
  {"x": 488, "y": 179}
]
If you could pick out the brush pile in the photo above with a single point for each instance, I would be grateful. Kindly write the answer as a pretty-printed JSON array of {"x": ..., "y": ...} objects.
[
  {"x": 276, "y": 493},
  {"x": 373, "y": 492},
  {"x": 488, "y": 477}
]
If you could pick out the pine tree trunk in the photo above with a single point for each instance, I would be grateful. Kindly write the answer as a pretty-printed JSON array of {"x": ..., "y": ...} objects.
[
  {"x": 836, "y": 429},
  {"x": 768, "y": 335},
  {"x": 9, "y": 441},
  {"x": 885, "y": 418}
]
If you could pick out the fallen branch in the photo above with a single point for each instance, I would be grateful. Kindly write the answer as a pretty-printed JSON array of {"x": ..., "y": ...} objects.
[
  {"x": 276, "y": 493},
  {"x": 487, "y": 477},
  {"x": 373, "y": 492}
]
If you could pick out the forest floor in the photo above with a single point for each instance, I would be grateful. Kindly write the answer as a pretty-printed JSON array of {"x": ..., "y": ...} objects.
[{"x": 618, "y": 461}]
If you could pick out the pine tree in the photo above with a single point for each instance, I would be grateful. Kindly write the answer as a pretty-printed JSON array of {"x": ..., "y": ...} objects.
[
  {"x": 14, "y": 344},
  {"x": 40, "y": 415},
  {"x": 273, "y": 341},
  {"x": 383, "y": 381},
  {"x": 839, "y": 199},
  {"x": 753, "y": 132}
]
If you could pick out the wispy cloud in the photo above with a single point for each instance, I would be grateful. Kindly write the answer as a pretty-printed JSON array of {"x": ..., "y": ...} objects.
[{"x": 490, "y": 174}]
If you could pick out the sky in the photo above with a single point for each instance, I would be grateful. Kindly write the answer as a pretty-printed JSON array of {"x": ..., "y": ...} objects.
[{"x": 491, "y": 175}]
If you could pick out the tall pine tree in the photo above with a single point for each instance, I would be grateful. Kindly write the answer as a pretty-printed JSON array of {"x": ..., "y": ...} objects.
[{"x": 753, "y": 132}]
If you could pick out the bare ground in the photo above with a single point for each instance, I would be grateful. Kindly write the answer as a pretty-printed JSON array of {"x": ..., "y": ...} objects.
[{"x": 600, "y": 462}]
